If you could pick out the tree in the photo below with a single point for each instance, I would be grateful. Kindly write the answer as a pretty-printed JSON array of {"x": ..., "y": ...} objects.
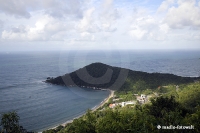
[
  {"x": 10, "y": 122},
  {"x": 140, "y": 86}
]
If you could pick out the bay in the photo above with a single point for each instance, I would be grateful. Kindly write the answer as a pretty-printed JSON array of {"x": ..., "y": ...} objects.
[{"x": 42, "y": 105}]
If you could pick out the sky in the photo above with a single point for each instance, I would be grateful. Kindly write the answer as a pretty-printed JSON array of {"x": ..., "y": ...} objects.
[{"x": 27, "y": 25}]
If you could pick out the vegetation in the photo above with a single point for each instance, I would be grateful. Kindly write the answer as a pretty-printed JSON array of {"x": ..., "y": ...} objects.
[
  {"x": 54, "y": 130},
  {"x": 162, "y": 111},
  {"x": 10, "y": 123},
  {"x": 189, "y": 95},
  {"x": 135, "y": 81},
  {"x": 178, "y": 105}
]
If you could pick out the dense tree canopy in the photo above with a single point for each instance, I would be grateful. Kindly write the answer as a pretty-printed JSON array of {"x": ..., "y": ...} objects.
[
  {"x": 10, "y": 122},
  {"x": 164, "y": 111}
]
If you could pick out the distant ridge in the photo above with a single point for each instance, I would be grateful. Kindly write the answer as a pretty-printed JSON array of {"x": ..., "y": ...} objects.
[{"x": 99, "y": 75}]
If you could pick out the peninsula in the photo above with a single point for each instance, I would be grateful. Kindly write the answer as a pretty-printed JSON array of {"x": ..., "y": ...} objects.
[{"x": 99, "y": 75}]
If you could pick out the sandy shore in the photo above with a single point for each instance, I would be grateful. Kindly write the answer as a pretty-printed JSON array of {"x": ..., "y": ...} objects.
[
  {"x": 93, "y": 109},
  {"x": 104, "y": 101}
]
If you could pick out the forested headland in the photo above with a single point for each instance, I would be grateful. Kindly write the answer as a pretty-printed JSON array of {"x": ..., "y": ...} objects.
[{"x": 88, "y": 76}]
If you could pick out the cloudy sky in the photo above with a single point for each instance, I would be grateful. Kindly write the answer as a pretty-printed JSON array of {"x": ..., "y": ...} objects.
[{"x": 99, "y": 24}]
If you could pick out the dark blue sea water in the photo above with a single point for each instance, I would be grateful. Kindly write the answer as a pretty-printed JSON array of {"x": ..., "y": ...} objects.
[{"x": 42, "y": 105}]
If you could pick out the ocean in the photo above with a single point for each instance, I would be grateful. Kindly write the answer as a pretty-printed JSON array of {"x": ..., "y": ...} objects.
[{"x": 41, "y": 105}]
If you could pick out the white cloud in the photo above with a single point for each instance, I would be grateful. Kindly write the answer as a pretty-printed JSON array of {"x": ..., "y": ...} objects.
[
  {"x": 147, "y": 27},
  {"x": 107, "y": 4},
  {"x": 45, "y": 29},
  {"x": 54, "y": 8},
  {"x": 85, "y": 22},
  {"x": 85, "y": 36},
  {"x": 17, "y": 8},
  {"x": 165, "y": 5},
  {"x": 164, "y": 28},
  {"x": 108, "y": 16},
  {"x": 1, "y": 24},
  {"x": 186, "y": 14},
  {"x": 137, "y": 32},
  {"x": 59, "y": 9},
  {"x": 92, "y": 23},
  {"x": 109, "y": 19}
]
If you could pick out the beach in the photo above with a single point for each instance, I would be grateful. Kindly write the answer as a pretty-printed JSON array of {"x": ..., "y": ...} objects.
[
  {"x": 93, "y": 109},
  {"x": 104, "y": 101}
]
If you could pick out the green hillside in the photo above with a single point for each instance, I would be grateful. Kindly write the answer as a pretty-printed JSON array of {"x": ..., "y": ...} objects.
[
  {"x": 100, "y": 75},
  {"x": 180, "y": 110}
]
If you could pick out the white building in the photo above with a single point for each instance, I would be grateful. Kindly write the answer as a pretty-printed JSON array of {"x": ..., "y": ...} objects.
[
  {"x": 128, "y": 103},
  {"x": 142, "y": 99}
]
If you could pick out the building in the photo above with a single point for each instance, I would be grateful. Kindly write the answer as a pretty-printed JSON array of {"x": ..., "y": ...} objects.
[
  {"x": 142, "y": 99},
  {"x": 112, "y": 105},
  {"x": 128, "y": 103}
]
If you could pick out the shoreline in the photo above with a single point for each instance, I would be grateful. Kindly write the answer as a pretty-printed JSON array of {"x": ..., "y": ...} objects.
[
  {"x": 104, "y": 101},
  {"x": 93, "y": 109}
]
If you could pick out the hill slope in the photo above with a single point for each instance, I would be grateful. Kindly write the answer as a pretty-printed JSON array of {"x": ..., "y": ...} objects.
[{"x": 100, "y": 75}]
